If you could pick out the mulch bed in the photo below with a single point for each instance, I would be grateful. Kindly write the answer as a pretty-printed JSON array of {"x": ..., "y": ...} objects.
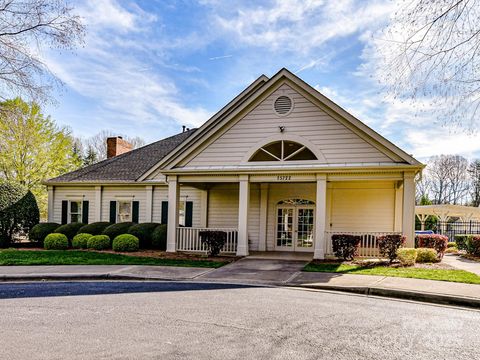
[{"x": 379, "y": 262}]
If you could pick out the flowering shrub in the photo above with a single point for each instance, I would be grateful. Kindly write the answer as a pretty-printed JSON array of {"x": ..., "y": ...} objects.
[
  {"x": 389, "y": 244},
  {"x": 433, "y": 241},
  {"x": 473, "y": 245},
  {"x": 345, "y": 246}
]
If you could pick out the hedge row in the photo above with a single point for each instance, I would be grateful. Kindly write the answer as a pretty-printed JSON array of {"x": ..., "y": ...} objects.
[
  {"x": 150, "y": 235},
  {"x": 124, "y": 242}
]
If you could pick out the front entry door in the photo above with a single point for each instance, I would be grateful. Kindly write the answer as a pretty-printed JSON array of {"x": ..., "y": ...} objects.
[{"x": 295, "y": 227}]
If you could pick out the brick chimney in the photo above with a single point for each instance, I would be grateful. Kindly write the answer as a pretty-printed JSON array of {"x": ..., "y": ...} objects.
[{"x": 117, "y": 146}]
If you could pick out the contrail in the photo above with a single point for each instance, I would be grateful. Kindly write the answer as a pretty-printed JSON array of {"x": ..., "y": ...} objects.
[{"x": 220, "y": 57}]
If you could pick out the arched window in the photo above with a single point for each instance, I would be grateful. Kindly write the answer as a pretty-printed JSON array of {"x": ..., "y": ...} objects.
[
  {"x": 283, "y": 150},
  {"x": 295, "y": 202}
]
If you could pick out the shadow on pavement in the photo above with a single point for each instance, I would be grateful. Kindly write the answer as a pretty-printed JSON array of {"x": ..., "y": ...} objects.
[{"x": 76, "y": 288}]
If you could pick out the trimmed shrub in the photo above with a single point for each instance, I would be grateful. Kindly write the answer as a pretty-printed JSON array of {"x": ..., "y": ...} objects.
[
  {"x": 451, "y": 244},
  {"x": 99, "y": 242},
  {"x": 55, "y": 241},
  {"x": 80, "y": 240},
  {"x": 461, "y": 241},
  {"x": 345, "y": 246},
  {"x": 95, "y": 228},
  {"x": 40, "y": 231},
  {"x": 427, "y": 255},
  {"x": 473, "y": 245},
  {"x": 18, "y": 212},
  {"x": 159, "y": 237},
  {"x": 126, "y": 242},
  {"x": 214, "y": 240},
  {"x": 69, "y": 230},
  {"x": 407, "y": 256},
  {"x": 114, "y": 230},
  {"x": 434, "y": 241},
  {"x": 143, "y": 232},
  {"x": 389, "y": 244}
]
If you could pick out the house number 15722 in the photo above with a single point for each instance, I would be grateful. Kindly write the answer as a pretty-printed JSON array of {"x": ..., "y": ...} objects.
[{"x": 284, "y": 178}]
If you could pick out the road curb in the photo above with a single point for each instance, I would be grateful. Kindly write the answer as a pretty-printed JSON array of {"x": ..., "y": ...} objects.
[
  {"x": 435, "y": 298},
  {"x": 66, "y": 277}
]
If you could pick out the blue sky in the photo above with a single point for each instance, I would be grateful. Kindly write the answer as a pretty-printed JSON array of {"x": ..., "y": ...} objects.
[{"x": 149, "y": 67}]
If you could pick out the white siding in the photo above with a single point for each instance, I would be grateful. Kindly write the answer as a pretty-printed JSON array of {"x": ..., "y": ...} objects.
[
  {"x": 160, "y": 193},
  {"x": 337, "y": 143},
  {"x": 113, "y": 193},
  {"x": 362, "y": 206},
  {"x": 73, "y": 193}
]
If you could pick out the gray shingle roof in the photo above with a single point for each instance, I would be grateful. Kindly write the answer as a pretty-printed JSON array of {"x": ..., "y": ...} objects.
[{"x": 126, "y": 167}]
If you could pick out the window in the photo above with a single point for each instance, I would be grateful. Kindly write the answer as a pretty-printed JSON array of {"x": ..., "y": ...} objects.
[
  {"x": 181, "y": 212},
  {"x": 283, "y": 150},
  {"x": 75, "y": 209},
  {"x": 124, "y": 211}
]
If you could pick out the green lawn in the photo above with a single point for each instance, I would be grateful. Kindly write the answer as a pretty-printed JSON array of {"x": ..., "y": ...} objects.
[
  {"x": 74, "y": 257},
  {"x": 408, "y": 272}
]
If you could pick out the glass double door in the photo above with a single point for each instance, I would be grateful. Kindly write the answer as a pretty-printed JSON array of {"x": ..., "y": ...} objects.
[{"x": 295, "y": 228}]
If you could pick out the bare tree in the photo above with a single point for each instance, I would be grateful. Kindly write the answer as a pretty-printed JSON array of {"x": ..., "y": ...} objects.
[
  {"x": 25, "y": 27},
  {"x": 98, "y": 143},
  {"x": 474, "y": 173},
  {"x": 422, "y": 190},
  {"x": 430, "y": 52},
  {"x": 448, "y": 179}
]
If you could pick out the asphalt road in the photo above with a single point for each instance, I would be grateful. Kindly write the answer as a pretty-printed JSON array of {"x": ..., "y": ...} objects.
[{"x": 145, "y": 320}]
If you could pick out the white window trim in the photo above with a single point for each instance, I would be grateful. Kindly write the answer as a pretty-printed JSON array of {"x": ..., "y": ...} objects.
[
  {"x": 117, "y": 215},
  {"x": 69, "y": 218}
]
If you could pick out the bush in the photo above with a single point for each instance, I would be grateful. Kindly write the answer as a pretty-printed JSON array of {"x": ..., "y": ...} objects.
[
  {"x": 80, "y": 240},
  {"x": 451, "y": 244},
  {"x": 427, "y": 255},
  {"x": 143, "y": 232},
  {"x": 55, "y": 241},
  {"x": 126, "y": 242},
  {"x": 40, "y": 231},
  {"x": 389, "y": 244},
  {"x": 407, "y": 256},
  {"x": 98, "y": 242},
  {"x": 95, "y": 228},
  {"x": 433, "y": 241},
  {"x": 18, "y": 212},
  {"x": 159, "y": 237},
  {"x": 69, "y": 230},
  {"x": 461, "y": 241},
  {"x": 345, "y": 246},
  {"x": 214, "y": 240},
  {"x": 473, "y": 245},
  {"x": 114, "y": 230}
]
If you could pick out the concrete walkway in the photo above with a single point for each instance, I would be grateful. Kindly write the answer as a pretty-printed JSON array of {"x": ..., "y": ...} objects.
[
  {"x": 462, "y": 263},
  {"x": 261, "y": 272}
]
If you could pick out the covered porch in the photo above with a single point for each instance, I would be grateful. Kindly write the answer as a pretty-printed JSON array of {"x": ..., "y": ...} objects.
[{"x": 295, "y": 212}]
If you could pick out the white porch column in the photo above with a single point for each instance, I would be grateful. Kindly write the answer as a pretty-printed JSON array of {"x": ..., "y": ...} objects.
[
  {"x": 408, "y": 218},
  {"x": 243, "y": 204},
  {"x": 149, "y": 203},
  {"x": 173, "y": 199},
  {"x": 50, "y": 208},
  {"x": 262, "y": 232},
  {"x": 204, "y": 209},
  {"x": 98, "y": 203},
  {"x": 320, "y": 216}
]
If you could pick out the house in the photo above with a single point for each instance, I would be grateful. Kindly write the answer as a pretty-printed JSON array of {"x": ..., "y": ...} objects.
[{"x": 279, "y": 168}]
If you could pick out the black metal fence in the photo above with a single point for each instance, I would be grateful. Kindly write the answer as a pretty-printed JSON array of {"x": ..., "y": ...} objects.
[{"x": 451, "y": 229}]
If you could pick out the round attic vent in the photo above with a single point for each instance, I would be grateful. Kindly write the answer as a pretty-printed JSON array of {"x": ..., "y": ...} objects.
[{"x": 283, "y": 105}]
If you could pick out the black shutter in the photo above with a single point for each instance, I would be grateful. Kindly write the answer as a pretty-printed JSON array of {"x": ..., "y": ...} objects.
[
  {"x": 64, "y": 211},
  {"x": 164, "y": 212},
  {"x": 113, "y": 212},
  {"x": 135, "y": 206},
  {"x": 188, "y": 213},
  {"x": 85, "y": 212}
]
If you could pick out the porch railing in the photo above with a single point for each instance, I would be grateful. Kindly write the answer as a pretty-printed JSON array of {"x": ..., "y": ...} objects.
[
  {"x": 188, "y": 239},
  {"x": 368, "y": 244}
]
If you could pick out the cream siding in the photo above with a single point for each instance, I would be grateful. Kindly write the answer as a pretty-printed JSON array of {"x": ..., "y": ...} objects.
[
  {"x": 114, "y": 193},
  {"x": 160, "y": 193},
  {"x": 362, "y": 206},
  {"x": 73, "y": 193},
  {"x": 336, "y": 142},
  {"x": 278, "y": 192}
]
